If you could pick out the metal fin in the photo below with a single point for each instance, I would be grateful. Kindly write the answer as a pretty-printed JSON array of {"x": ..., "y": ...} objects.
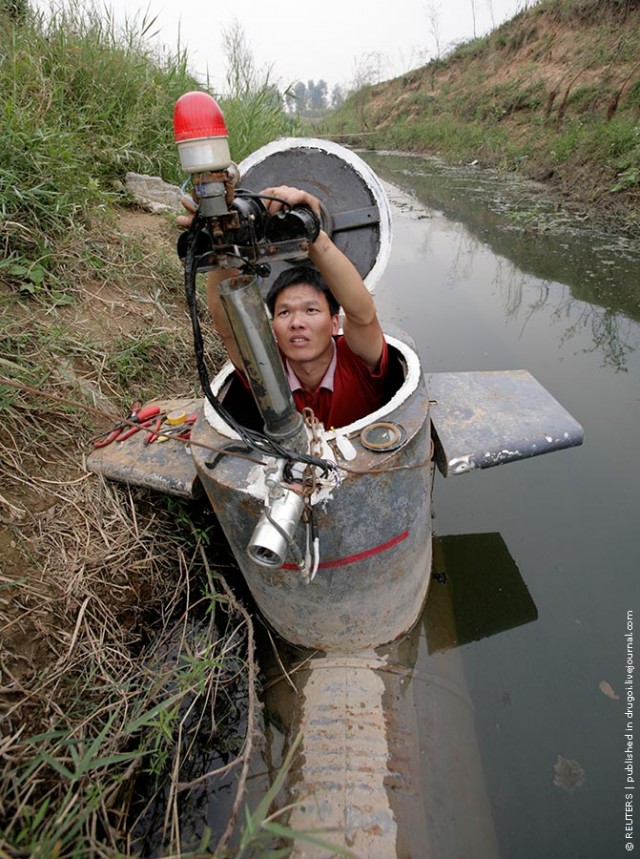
[{"x": 488, "y": 418}]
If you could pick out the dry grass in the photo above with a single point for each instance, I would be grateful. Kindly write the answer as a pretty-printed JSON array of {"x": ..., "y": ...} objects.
[
  {"x": 120, "y": 646},
  {"x": 111, "y": 664}
]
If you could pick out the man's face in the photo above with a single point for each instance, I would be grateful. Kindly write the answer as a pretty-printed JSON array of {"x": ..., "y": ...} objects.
[{"x": 303, "y": 324}]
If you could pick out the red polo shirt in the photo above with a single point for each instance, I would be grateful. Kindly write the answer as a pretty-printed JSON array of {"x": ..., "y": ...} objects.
[{"x": 348, "y": 391}]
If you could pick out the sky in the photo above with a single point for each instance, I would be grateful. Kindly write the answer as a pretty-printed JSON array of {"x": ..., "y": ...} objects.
[{"x": 333, "y": 40}]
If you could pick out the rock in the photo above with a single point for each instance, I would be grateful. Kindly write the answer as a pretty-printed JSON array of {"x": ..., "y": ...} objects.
[
  {"x": 569, "y": 774},
  {"x": 153, "y": 193}
]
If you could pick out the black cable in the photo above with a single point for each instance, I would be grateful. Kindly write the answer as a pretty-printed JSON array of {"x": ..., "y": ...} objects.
[
  {"x": 255, "y": 441},
  {"x": 243, "y": 192}
]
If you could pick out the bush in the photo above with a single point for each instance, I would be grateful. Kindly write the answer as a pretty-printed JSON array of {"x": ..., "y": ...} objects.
[
  {"x": 590, "y": 10},
  {"x": 84, "y": 102}
]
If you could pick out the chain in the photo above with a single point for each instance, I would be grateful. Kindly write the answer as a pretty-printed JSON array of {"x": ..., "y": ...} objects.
[
  {"x": 309, "y": 484},
  {"x": 309, "y": 479}
]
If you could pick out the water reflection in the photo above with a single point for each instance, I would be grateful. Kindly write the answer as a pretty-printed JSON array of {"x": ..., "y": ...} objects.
[
  {"x": 563, "y": 304},
  {"x": 476, "y": 576},
  {"x": 389, "y": 746},
  {"x": 390, "y": 764},
  {"x": 588, "y": 282}
]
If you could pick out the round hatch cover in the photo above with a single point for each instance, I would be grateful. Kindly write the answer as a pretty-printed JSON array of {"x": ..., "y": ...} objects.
[
  {"x": 359, "y": 216},
  {"x": 382, "y": 436}
]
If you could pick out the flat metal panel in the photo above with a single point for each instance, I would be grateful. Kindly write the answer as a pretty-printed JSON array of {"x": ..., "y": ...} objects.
[
  {"x": 165, "y": 467},
  {"x": 482, "y": 419}
]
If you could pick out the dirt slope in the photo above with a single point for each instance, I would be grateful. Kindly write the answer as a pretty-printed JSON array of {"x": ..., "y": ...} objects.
[{"x": 554, "y": 93}]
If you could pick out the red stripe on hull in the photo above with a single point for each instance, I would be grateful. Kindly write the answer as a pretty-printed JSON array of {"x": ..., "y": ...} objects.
[{"x": 360, "y": 556}]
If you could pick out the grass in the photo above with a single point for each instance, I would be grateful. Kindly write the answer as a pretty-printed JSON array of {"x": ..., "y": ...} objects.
[
  {"x": 553, "y": 94},
  {"x": 83, "y": 103},
  {"x": 121, "y": 649},
  {"x": 81, "y": 108},
  {"x": 130, "y": 696}
]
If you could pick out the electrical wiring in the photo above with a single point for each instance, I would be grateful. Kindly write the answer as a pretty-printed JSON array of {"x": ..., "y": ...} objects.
[{"x": 254, "y": 441}]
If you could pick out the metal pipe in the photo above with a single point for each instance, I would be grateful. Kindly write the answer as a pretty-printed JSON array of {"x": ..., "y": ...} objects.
[
  {"x": 251, "y": 329},
  {"x": 276, "y": 528}
]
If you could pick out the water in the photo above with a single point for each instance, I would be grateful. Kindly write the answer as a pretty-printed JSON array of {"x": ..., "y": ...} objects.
[
  {"x": 536, "y": 561},
  {"x": 480, "y": 287}
]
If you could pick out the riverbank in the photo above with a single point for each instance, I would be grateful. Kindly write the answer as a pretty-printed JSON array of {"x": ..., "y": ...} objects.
[
  {"x": 552, "y": 95},
  {"x": 115, "y": 628}
]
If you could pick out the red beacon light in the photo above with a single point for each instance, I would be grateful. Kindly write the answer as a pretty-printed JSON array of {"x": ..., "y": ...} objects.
[{"x": 201, "y": 134}]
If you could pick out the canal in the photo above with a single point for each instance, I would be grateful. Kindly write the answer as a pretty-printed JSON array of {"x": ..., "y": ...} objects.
[
  {"x": 543, "y": 554},
  {"x": 506, "y": 710}
]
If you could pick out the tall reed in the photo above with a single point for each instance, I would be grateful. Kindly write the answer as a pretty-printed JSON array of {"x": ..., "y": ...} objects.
[
  {"x": 94, "y": 704},
  {"x": 85, "y": 101}
]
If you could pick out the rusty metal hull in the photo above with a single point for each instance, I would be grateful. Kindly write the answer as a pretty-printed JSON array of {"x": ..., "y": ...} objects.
[
  {"x": 375, "y": 538},
  {"x": 389, "y": 765}
]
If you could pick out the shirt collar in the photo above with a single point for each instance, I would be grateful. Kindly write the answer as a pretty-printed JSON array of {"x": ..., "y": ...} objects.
[{"x": 327, "y": 380}]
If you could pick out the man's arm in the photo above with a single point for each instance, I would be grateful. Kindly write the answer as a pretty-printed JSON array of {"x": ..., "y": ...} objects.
[
  {"x": 362, "y": 329},
  {"x": 361, "y": 326}
]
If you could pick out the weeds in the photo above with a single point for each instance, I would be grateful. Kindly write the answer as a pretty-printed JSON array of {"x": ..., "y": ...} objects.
[
  {"x": 129, "y": 696},
  {"x": 139, "y": 664},
  {"x": 84, "y": 102},
  {"x": 122, "y": 654},
  {"x": 515, "y": 113}
]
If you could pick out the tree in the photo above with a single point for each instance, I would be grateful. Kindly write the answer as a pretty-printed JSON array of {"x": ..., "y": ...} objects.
[
  {"x": 491, "y": 15},
  {"x": 299, "y": 91},
  {"x": 301, "y": 97},
  {"x": 253, "y": 106},
  {"x": 433, "y": 16},
  {"x": 366, "y": 71},
  {"x": 318, "y": 95},
  {"x": 337, "y": 96},
  {"x": 291, "y": 99},
  {"x": 241, "y": 73}
]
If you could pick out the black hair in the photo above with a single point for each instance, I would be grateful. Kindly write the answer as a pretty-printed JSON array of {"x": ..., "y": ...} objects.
[{"x": 295, "y": 276}]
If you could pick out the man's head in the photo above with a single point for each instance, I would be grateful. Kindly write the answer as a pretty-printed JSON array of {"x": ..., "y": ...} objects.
[
  {"x": 298, "y": 275},
  {"x": 305, "y": 315}
]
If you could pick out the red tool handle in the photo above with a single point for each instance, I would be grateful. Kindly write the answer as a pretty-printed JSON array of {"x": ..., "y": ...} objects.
[
  {"x": 133, "y": 430},
  {"x": 155, "y": 429},
  {"x": 119, "y": 433},
  {"x": 146, "y": 412},
  {"x": 112, "y": 436}
]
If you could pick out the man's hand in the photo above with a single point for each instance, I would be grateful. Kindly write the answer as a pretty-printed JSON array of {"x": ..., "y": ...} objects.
[
  {"x": 188, "y": 204},
  {"x": 289, "y": 196},
  {"x": 286, "y": 196}
]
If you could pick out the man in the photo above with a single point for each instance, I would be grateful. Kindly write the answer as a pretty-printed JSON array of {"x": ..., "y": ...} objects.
[{"x": 341, "y": 377}]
